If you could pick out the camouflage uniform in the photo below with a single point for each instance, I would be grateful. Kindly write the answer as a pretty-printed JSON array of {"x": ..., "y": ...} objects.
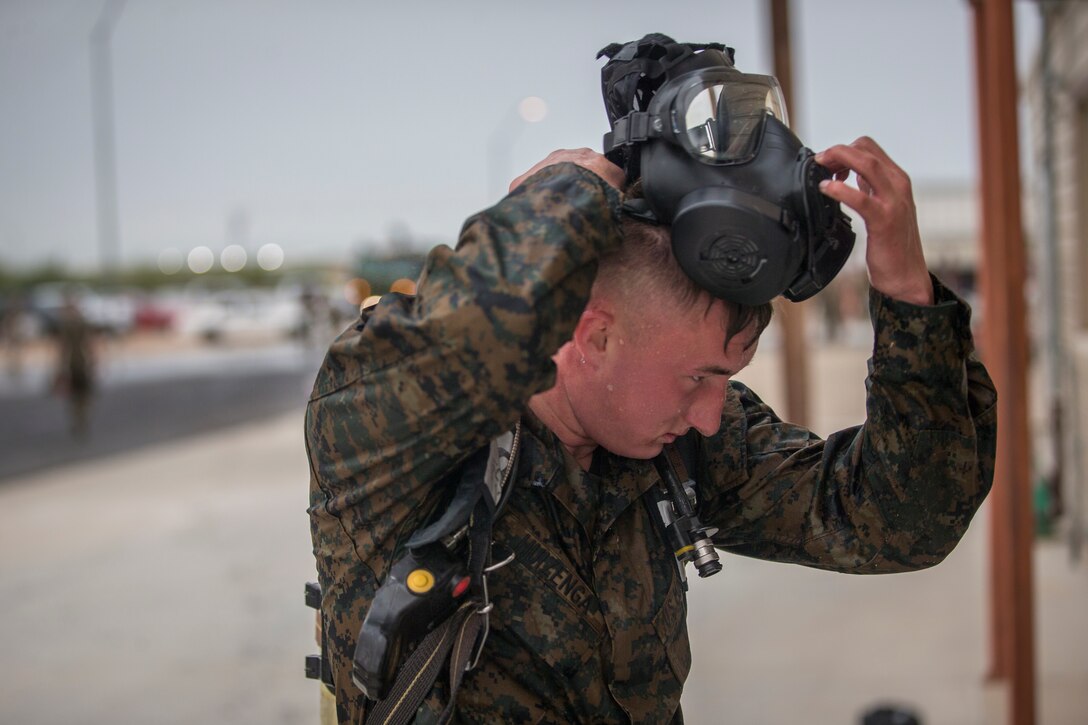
[
  {"x": 589, "y": 623},
  {"x": 74, "y": 377}
]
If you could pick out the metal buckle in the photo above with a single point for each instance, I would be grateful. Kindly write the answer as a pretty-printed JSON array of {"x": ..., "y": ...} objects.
[{"x": 484, "y": 611}]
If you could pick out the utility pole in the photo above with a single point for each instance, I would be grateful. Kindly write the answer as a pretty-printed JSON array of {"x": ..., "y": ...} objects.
[
  {"x": 1005, "y": 348},
  {"x": 1050, "y": 263},
  {"x": 105, "y": 154},
  {"x": 795, "y": 369},
  {"x": 530, "y": 109}
]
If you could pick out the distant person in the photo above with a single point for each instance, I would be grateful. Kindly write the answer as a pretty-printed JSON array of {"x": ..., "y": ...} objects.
[
  {"x": 74, "y": 378},
  {"x": 13, "y": 333},
  {"x": 313, "y": 329}
]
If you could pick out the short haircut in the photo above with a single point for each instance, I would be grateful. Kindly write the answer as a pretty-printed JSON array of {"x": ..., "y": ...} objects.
[{"x": 644, "y": 267}]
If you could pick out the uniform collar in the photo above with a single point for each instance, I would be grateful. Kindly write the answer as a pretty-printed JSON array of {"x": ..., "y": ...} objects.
[
  {"x": 549, "y": 466},
  {"x": 595, "y": 499}
]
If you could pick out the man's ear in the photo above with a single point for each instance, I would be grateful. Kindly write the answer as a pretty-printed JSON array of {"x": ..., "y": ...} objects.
[{"x": 593, "y": 332}]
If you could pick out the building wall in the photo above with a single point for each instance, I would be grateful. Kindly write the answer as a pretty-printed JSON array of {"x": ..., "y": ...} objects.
[{"x": 1069, "y": 129}]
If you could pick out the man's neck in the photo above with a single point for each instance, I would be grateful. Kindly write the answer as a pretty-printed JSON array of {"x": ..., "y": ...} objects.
[{"x": 553, "y": 409}]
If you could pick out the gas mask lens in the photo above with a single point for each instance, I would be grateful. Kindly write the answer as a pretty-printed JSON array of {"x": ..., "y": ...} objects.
[{"x": 718, "y": 118}]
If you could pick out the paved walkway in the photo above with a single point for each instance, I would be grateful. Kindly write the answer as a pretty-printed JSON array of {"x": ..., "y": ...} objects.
[{"x": 165, "y": 586}]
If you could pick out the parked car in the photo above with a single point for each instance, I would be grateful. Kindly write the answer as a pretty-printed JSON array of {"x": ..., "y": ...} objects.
[
  {"x": 106, "y": 312},
  {"x": 152, "y": 314},
  {"x": 215, "y": 316}
]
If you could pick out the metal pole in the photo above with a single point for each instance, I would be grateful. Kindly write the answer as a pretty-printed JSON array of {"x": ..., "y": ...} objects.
[
  {"x": 1005, "y": 348},
  {"x": 795, "y": 369},
  {"x": 1051, "y": 265},
  {"x": 529, "y": 110},
  {"x": 1050, "y": 262},
  {"x": 105, "y": 167},
  {"x": 499, "y": 144}
]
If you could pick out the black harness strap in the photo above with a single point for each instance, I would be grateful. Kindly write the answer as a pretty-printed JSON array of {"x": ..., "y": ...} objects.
[
  {"x": 458, "y": 635},
  {"x": 460, "y": 639}
]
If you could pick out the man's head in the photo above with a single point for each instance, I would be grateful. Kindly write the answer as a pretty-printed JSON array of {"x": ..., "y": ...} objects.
[{"x": 652, "y": 353}]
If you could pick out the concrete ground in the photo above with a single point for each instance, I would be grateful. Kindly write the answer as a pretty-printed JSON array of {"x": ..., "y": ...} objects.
[{"x": 165, "y": 586}]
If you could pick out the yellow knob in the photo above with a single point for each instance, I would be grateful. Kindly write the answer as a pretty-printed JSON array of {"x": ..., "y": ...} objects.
[{"x": 420, "y": 581}]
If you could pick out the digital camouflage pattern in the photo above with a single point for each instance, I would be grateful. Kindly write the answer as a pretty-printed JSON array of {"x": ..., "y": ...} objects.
[{"x": 590, "y": 619}]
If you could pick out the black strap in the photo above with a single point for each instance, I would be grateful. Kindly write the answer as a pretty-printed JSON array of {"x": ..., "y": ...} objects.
[
  {"x": 469, "y": 491},
  {"x": 681, "y": 454},
  {"x": 633, "y": 128},
  {"x": 464, "y": 645},
  {"x": 419, "y": 672},
  {"x": 684, "y": 454},
  {"x": 461, "y": 636}
]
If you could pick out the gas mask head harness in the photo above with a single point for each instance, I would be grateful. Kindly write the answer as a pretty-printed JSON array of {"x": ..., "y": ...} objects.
[{"x": 719, "y": 164}]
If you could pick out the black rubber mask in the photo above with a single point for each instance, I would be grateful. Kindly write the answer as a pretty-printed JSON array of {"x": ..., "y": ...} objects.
[{"x": 719, "y": 164}]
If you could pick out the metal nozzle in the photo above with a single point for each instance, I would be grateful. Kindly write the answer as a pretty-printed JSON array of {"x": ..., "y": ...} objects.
[{"x": 706, "y": 558}]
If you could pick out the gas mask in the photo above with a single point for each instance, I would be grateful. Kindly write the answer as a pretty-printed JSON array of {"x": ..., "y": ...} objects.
[{"x": 719, "y": 164}]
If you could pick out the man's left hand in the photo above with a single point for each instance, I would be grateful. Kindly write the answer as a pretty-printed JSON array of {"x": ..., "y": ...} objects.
[{"x": 884, "y": 200}]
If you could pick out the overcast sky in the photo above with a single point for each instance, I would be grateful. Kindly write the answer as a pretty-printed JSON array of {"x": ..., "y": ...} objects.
[{"x": 328, "y": 125}]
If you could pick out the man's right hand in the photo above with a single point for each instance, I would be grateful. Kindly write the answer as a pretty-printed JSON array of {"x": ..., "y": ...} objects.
[
  {"x": 885, "y": 201},
  {"x": 584, "y": 157}
]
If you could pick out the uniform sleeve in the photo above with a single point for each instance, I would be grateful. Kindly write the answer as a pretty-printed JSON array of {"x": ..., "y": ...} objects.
[
  {"x": 427, "y": 380},
  {"x": 893, "y": 494}
]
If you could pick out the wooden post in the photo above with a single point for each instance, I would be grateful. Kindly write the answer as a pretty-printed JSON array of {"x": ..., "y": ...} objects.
[
  {"x": 791, "y": 315},
  {"x": 1005, "y": 348},
  {"x": 989, "y": 158}
]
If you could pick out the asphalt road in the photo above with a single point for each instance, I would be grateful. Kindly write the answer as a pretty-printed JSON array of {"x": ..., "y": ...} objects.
[{"x": 146, "y": 402}]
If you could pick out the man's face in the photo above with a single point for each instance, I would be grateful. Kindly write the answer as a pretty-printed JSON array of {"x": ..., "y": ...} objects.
[{"x": 661, "y": 376}]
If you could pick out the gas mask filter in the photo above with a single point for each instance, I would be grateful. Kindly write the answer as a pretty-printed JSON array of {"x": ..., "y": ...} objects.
[{"x": 719, "y": 164}]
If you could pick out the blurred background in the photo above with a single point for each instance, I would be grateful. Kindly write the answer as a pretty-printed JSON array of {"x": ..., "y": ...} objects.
[{"x": 197, "y": 195}]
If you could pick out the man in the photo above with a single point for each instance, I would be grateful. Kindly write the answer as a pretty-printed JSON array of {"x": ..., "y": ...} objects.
[
  {"x": 511, "y": 326},
  {"x": 74, "y": 377}
]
